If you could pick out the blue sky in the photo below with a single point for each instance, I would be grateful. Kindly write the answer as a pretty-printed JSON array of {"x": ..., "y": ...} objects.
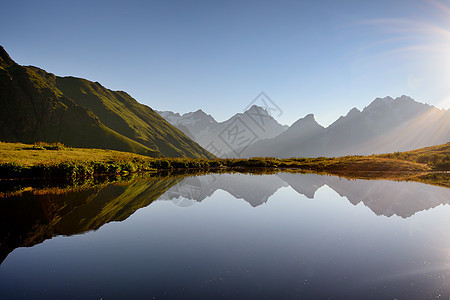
[{"x": 321, "y": 57}]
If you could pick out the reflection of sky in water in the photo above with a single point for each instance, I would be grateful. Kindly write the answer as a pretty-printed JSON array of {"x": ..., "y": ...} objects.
[{"x": 288, "y": 247}]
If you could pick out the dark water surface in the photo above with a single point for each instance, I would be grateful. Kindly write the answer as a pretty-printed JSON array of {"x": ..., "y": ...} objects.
[{"x": 283, "y": 236}]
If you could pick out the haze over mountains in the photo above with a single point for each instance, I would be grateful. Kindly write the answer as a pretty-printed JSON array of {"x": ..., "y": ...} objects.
[
  {"x": 386, "y": 125},
  {"x": 231, "y": 137},
  {"x": 39, "y": 106}
]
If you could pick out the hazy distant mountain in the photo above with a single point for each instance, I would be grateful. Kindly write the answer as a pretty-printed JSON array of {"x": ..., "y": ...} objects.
[
  {"x": 301, "y": 137},
  {"x": 193, "y": 124},
  {"x": 386, "y": 125},
  {"x": 39, "y": 106},
  {"x": 230, "y": 138}
]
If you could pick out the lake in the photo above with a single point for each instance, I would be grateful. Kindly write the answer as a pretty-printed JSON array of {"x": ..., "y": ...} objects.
[{"x": 235, "y": 236}]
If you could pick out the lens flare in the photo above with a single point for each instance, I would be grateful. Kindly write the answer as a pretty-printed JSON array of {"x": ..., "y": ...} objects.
[{"x": 422, "y": 42}]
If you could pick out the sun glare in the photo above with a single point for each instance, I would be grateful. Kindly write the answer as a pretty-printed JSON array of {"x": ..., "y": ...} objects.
[{"x": 422, "y": 42}]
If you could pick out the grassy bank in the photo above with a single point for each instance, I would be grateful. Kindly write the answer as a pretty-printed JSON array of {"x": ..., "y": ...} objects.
[
  {"x": 437, "y": 157},
  {"x": 57, "y": 161}
]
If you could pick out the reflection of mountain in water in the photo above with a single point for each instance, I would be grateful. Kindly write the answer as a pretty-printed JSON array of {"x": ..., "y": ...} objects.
[
  {"x": 383, "y": 197},
  {"x": 254, "y": 189},
  {"x": 389, "y": 198},
  {"x": 30, "y": 219}
]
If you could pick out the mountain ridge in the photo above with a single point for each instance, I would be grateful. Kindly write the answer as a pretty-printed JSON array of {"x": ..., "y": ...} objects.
[
  {"x": 214, "y": 136},
  {"x": 385, "y": 125},
  {"x": 39, "y": 106}
]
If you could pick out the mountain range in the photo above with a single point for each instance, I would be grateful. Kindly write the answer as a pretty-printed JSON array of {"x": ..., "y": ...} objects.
[
  {"x": 386, "y": 125},
  {"x": 231, "y": 137},
  {"x": 39, "y": 106}
]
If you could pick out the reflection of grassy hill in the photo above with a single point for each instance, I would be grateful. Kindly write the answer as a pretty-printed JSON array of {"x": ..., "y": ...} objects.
[
  {"x": 29, "y": 219},
  {"x": 39, "y": 106},
  {"x": 115, "y": 202}
]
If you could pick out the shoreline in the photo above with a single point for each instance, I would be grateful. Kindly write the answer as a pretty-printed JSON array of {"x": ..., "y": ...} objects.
[
  {"x": 16, "y": 187},
  {"x": 56, "y": 162}
]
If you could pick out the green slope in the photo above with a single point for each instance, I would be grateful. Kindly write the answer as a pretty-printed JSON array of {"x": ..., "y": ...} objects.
[
  {"x": 39, "y": 106},
  {"x": 120, "y": 112},
  {"x": 443, "y": 149},
  {"x": 30, "y": 218},
  {"x": 437, "y": 157}
]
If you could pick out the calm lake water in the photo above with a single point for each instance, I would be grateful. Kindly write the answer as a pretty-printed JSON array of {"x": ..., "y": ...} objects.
[{"x": 235, "y": 236}]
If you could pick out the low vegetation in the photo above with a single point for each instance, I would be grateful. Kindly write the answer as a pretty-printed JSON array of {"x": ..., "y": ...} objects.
[
  {"x": 43, "y": 160},
  {"x": 437, "y": 157}
]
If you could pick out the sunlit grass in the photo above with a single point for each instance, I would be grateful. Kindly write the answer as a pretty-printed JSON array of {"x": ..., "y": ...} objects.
[{"x": 43, "y": 160}]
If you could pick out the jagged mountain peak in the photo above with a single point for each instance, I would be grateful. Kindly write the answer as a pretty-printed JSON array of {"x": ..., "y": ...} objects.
[
  {"x": 209, "y": 133},
  {"x": 307, "y": 121},
  {"x": 258, "y": 110},
  {"x": 405, "y": 99},
  {"x": 198, "y": 112},
  {"x": 389, "y": 103},
  {"x": 379, "y": 102},
  {"x": 168, "y": 112},
  {"x": 256, "y": 107},
  {"x": 354, "y": 112},
  {"x": 189, "y": 117},
  {"x": 199, "y": 115},
  {"x": 254, "y": 112}
]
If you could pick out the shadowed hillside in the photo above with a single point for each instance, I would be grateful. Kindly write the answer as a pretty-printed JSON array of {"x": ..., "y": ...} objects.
[{"x": 39, "y": 106}]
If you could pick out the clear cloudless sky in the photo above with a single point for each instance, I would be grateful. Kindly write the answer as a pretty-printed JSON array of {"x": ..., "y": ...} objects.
[{"x": 322, "y": 57}]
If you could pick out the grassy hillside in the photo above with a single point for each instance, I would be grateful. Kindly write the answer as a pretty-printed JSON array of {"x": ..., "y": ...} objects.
[
  {"x": 47, "y": 154},
  {"x": 437, "y": 157},
  {"x": 39, "y": 106},
  {"x": 120, "y": 112}
]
